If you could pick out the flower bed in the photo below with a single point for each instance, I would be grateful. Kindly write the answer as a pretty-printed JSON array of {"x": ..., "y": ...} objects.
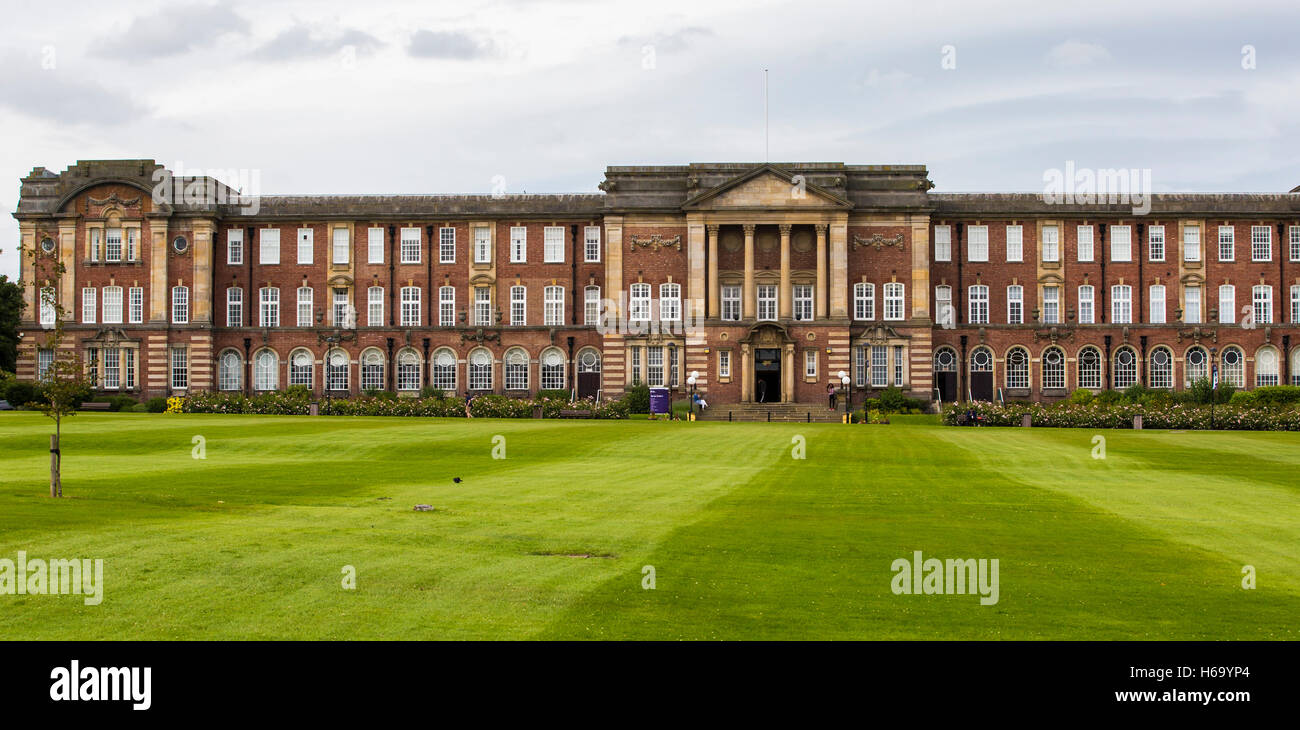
[
  {"x": 1097, "y": 415},
  {"x": 298, "y": 403}
]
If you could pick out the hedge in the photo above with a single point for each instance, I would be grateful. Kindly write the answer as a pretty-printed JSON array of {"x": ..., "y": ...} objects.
[
  {"x": 1100, "y": 415},
  {"x": 297, "y": 402}
]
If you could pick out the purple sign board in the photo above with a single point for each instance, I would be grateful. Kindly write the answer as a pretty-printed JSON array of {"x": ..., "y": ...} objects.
[{"x": 659, "y": 400}]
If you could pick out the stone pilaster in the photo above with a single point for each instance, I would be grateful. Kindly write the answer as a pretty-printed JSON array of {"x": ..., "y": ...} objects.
[
  {"x": 715, "y": 289},
  {"x": 839, "y": 238},
  {"x": 786, "y": 295},
  {"x": 821, "y": 271},
  {"x": 748, "y": 303}
]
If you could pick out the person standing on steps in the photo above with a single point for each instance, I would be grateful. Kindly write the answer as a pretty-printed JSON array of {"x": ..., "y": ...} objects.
[{"x": 831, "y": 395}]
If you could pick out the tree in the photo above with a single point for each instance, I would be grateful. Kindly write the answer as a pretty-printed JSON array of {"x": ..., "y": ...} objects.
[
  {"x": 11, "y": 308},
  {"x": 64, "y": 383}
]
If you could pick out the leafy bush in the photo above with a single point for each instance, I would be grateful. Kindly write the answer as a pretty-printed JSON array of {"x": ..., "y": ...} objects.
[
  {"x": 140, "y": 408},
  {"x": 1081, "y": 397},
  {"x": 554, "y": 394},
  {"x": 429, "y": 391},
  {"x": 121, "y": 403},
  {"x": 892, "y": 400},
  {"x": 638, "y": 398},
  {"x": 1277, "y": 395},
  {"x": 156, "y": 405},
  {"x": 20, "y": 394},
  {"x": 1099, "y": 415},
  {"x": 1243, "y": 399}
]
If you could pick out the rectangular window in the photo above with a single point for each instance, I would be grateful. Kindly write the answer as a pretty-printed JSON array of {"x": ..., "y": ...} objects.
[
  {"x": 944, "y": 314},
  {"x": 670, "y": 302},
  {"x": 1121, "y": 304},
  {"x": 1051, "y": 243},
  {"x": 49, "y": 301},
  {"x": 1191, "y": 243},
  {"x": 341, "y": 246},
  {"x": 1157, "y": 304},
  {"x": 1085, "y": 243},
  {"x": 591, "y": 306},
  {"x": 133, "y": 244},
  {"x": 898, "y": 365},
  {"x": 810, "y": 363},
  {"x": 860, "y": 365},
  {"x": 269, "y": 307},
  {"x": 128, "y": 366},
  {"x": 1086, "y": 312},
  {"x": 1227, "y": 243},
  {"x": 180, "y": 305},
  {"x": 553, "y": 244},
  {"x": 482, "y": 306},
  {"x": 1051, "y": 305},
  {"x": 1156, "y": 243},
  {"x": 89, "y": 298},
  {"x": 268, "y": 246},
  {"x": 518, "y": 306},
  {"x": 639, "y": 303},
  {"x": 766, "y": 302},
  {"x": 1227, "y": 304},
  {"x": 591, "y": 244},
  {"x": 1295, "y": 242},
  {"x": 411, "y": 306},
  {"x": 112, "y": 368},
  {"x": 894, "y": 301},
  {"x": 234, "y": 307},
  {"x": 943, "y": 243},
  {"x": 305, "y": 306},
  {"x": 1121, "y": 243},
  {"x": 724, "y": 363},
  {"x": 978, "y": 248},
  {"x": 1263, "y": 299},
  {"x": 1015, "y": 243},
  {"x": 339, "y": 311},
  {"x": 978, "y": 304},
  {"x": 136, "y": 305},
  {"x": 636, "y": 365},
  {"x": 112, "y": 305},
  {"x": 1261, "y": 243},
  {"x": 375, "y": 306},
  {"x": 654, "y": 371},
  {"x": 1295, "y": 304},
  {"x": 1015, "y": 305},
  {"x": 518, "y": 245},
  {"x": 447, "y": 306},
  {"x": 673, "y": 369},
  {"x": 803, "y": 302},
  {"x": 410, "y": 245},
  {"x": 375, "y": 245},
  {"x": 180, "y": 368},
  {"x": 864, "y": 300},
  {"x": 731, "y": 303},
  {"x": 44, "y": 361},
  {"x": 879, "y": 366},
  {"x": 235, "y": 246},
  {"x": 447, "y": 245},
  {"x": 482, "y": 245},
  {"x": 1192, "y": 305},
  {"x": 113, "y": 249},
  {"x": 95, "y": 244},
  {"x": 306, "y": 245}
]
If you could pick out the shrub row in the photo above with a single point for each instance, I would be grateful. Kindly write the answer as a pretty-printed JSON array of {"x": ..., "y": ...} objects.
[
  {"x": 297, "y": 402},
  {"x": 1100, "y": 415}
]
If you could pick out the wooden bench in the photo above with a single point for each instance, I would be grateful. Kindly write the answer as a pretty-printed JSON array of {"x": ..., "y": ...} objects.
[
  {"x": 94, "y": 406},
  {"x": 575, "y": 414}
]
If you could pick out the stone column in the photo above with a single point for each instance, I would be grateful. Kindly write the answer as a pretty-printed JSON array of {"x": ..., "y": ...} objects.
[
  {"x": 746, "y": 365},
  {"x": 696, "y": 280},
  {"x": 748, "y": 304},
  {"x": 159, "y": 289},
  {"x": 786, "y": 295},
  {"x": 68, "y": 281},
  {"x": 787, "y": 374},
  {"x": 821, "y": 271},
  {"x": 839, "y": 264},
  {"x": 715, "y": 290},
  {"x": 201, "y": 288}
]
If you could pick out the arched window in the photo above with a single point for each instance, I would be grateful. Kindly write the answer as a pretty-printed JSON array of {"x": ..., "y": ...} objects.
[
  {"x": 408, "y": 370},
  {"x": 1125, "y": 368},
  {"x": 372, "y": 370},
  {"x": 1196, "y": 365},
  {"x": 552, "y": 369},
  {"x": 945, "y": 360},
  {"x": 589, "y": 361},
  {"x": 1090, "y": 368},
  {"x": 1054, "y": 368},
  {"x": 444, "y": 370},
  {"x": 480, "y": 370},
  {"x": 1162, "y": 368},
  {"x": 516, "y": 369},
  {"x": 1266, "y": 365},
  {"x": 230, "y": 371},
  {"x": 1295, "y": 366},
  {"x": 981, "y": 360},
  {"x": 1234, "y": 367},
  {"x": 1017, "y": 368},
  {"x": 301, "y": 366},
  {"x": 266, "y": 370},
  {"x": 337, "y": 367}
]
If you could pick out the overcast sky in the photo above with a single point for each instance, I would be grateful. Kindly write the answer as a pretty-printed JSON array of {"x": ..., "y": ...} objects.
[{"x": 425, "y": 97}]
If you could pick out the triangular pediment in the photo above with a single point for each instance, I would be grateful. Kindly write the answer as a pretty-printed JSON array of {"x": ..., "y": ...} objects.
[{"x": 767, "y": 187}]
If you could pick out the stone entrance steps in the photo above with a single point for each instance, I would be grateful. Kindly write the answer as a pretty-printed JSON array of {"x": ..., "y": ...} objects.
[{"x": 773, "y": 412}]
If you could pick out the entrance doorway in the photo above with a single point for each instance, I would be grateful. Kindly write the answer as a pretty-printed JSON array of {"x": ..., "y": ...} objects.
[
  {"x": 767, "y": 375},
  {"x": 981, "y": 374},
  {"x": 945, "y": 374},
  {"x": 588, "y": 373}
]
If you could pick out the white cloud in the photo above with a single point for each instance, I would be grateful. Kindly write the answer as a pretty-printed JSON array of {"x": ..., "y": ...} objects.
[{"x": 1077, "y": 54}]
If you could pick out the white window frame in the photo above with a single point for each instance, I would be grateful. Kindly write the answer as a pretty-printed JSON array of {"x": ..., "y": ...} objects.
[
  {"x": 591, "y": 244},
  {"x": 1015, "y": 243},
  {"x": 977, "y": 244},
  {"x": 1261, "y": 244},
  {"x": 135, "y": 305},
  {"x": 447, "y": 245},
  {"x": 1051, "y": 243},
  {"x": 268, "y": 246},
  {"x": 411, "y": 245},
  {"x": 1261, "y": 296},
  {"x": 1051, "y": 304},
  {"x": 112, "y": 305},
  {"x": 519, "y": 244},
  {"x": 447, "y": 306},
  {"x": 306, "y": 246},
  {"x": 553, "y": 306},
  {"x": 483, "y": 306},
  {"x": 1191, "y": 242},
  {"x": 724, "y": 363},
  {"x": 943, "y": 243},
  {"x": 1085, "y": 242},
  {"x": 268, "y": 307},
  {"x": 1227, "y": 243},
  {"x": 89, "y": 304},
  {"x": 411, "y": 306},
  {"x": 306, "y": 299},
  {"x": 518, "y": 305},
  {"x": 768, "y": 302},
  {"x": 235, "y": 246},
  {"x": 638, "y": 309},
  {"x": 895, "y": 294},
  {"x": 670, "y": 302},
  {"x": 977, "y": 304},
  {"x": 803, "y": 302},
  {"x": 591, "y": 305},
  {"x": 180, "y": 368},
  {"x": 1015, "y": 304},
  {"x": 341, "y": 246},
  {"x": 180, "y": 304},
  {"x": 1121, "y": 243},
  {"x": 731, "y": 303},
  {"x": 553, "y": 245},
  {"x": 1156, "y": 304},
  {"x": 375, "y": 245},
  {"x": 234, "y": 306},
  {"x": 1227, "y": 314},
  {"x": 864, "y": 301},
  {"x": 1156, "y": 243},
  {"x": 375, "y": 306},
  {"x": 1087, "y": 304},
  {"x": 1121, "y": 304},
  {"x": 1192, "y": 305},
  {"x": 482, "y": 245}
]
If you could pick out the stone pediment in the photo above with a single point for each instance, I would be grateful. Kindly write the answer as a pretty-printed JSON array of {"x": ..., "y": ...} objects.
[{"x": 765, "y": 188}]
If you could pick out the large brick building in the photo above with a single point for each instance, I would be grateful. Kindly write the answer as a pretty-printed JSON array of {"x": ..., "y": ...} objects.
[{"x": 763, "y": 279}]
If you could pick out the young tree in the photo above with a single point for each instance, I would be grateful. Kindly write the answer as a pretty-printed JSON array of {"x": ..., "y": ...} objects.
[{"x": 64, "y": 384}]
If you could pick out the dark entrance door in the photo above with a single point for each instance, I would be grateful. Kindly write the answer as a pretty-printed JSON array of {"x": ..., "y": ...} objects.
[
  {"x": 588, "y": 374},
  {"x": 946, "y": 382},
  {"x": 981, "y": 386},
  {"x": 767, "y": 375}
]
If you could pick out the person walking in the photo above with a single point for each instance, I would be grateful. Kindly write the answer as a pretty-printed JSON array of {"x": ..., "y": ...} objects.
[
  {"x": 762, "y": 390},
  {"x": 831, "y": 396}
]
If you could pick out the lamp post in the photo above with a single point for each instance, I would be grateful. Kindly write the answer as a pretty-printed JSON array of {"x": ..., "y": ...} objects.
[
  {"x": 691, "y": 382},
  {"x": 844, "y": 380},
  {"x": 1214, "y": 382}
]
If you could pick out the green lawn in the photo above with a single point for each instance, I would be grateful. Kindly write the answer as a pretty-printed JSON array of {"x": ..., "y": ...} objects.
[{"x": 746, "y": 542}]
